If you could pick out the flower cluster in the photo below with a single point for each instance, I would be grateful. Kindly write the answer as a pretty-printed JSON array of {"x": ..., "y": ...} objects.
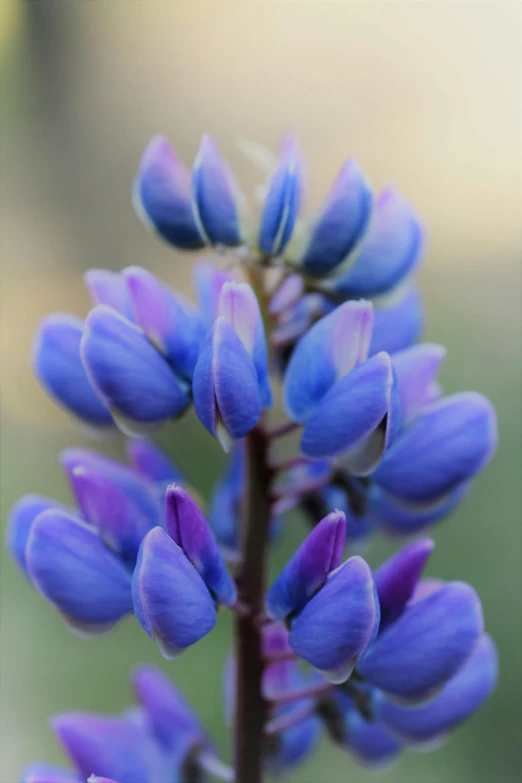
[{"x": 326, "y": 315}]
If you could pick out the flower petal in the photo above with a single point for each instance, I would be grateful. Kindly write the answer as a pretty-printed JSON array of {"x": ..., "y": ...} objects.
[
  {"x": 417, "y": 369},
  {"x": 109, "y": 288},
  {"x": 397, "y": 577},
  {"x": 152, "y": 463},
  {"x": 281, "y": 204},
  {"x": 21, "y": 518},
  {"x": 399, "y": 323}
]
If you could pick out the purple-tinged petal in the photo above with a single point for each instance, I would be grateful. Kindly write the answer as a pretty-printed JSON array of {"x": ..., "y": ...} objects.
[
  {"x": 358, "y": 525},
  {"x": 399, "y": 323},
  {"x": 290, "y": 747},
  {"x": 20, "y": 522},
  {"x": 287, "y": 295},
  {"x": 389, "y": 252},
  {"x": 170, "y": 322},
  {"x": 307, "y": 570},
  {"x": 127, "y": 371},
  {"x": 162, "y": 196},
  {"x": 171, "y": 600},
  {"x": 425, "y": 588},
  {"x": 427, "y": 645},
  {"x": 114, "y": 747},
  {"x": 339, "y": 622},
  {"x": 458, "y": 700},
  {"x": 281, "y": 204},
  {"x": 47, "y": 773},
  {"x": 447, "y": 444},
  {"x": 397, "y": 577},
  {"x": 187, "y": 526},
  {"x": 417, "y": 369},
  {"x": 225, "y": 386},
  {"x": 326, "y": 353},
  {"x": 351, "y": 410},
  {"x": 208, "y": 281},
  {"x": 167, "y": 711},
  {"x": 109, "y": 288},
  {"x": 239, "y": 307},
  {"x": 58, "y": 366},
  {"x": 69, "y": 564},
  {"x": 341, "y": 222},
  {"x": 120, "y": 522},
  {"x": 400, "y": 518},
  {"x": 136, "y": 487},
  {"x": 214, "y": 198},
  {"x": 152, "y": 463}
]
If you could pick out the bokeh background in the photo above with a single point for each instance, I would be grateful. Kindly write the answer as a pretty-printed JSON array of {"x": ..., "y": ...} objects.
[{"x": 427, "y": 95}]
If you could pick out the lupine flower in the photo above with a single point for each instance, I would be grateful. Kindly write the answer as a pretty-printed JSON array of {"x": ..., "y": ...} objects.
[
  {"x": 128, "y": 372},
  {"x": 225, "y": 385},
  {"x": 59, "y": 368},
  {"x": 159, "y": 742},
  {"x": 394, "y": 660}
]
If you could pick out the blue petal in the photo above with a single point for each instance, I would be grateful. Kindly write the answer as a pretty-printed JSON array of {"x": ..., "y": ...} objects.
[
  {"x": 170, "y": 598},
  {"x": 225, "y": 386},
  {"x": 427, "y": 645},
  {"x": 281, "y": 205},
  {"x": 317, "y": 634},
  {"x": 152, "y": 463},
  {"x": 208, "y": 281},
  {"x": 341, "y": 223},
  {"x": 398, "y": 324},
  {"x": 20, "y": 522},
  {"x": 397, "y": 517},
  {"x": 416, "y": 369},
  {"x": 69, "y": 564},
  {"x": 389, "y": 252},
  {"x": 370, "y": 742},
  {"x": 59, "y": 368},
  {"x": 358, "y": 528},
  {"x": 462, "y": 696},
  {"x": 293, "y": 745},
  {"x": 239, "y": 306},
  {"x": 215, "y": 204},
  {"x": 127, "y": 371},
  {"x": 307, "y": 570},
  {"x": 446, "y": 445},
  {"x": 167, "y": 711},
  {"x": 351, "y": 410},
  {"x": 161, "y": 196},
  {"x": 109, "y": 288},
  {"x": 47, "y": 773},
  {"x": 170, "y": 322},
  {"x": 327, "y": 352},
  {"x": 114, "y": 747},
  {"x": 188, "y": 527}
]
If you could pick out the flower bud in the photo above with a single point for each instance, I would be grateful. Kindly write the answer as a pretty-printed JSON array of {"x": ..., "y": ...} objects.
[
  {"x": 165, "y": 580},
  {"x": 20, "y": 522},
  {"x": 388, "y": 253},
  {"x": 281, "y": 204},
  {"x": 109, "y": 288},
  {"x": 209, "y": 280},
  {"x": 307, "y": 570},
  {"x": 427, "y": 645},
  {"x": 162, "y": 196},
  {"x": 187, "y": 526},
  {"x": 152, "y": 463},
  {"x": 327, "y": 352},
  {"x": 169, "y": 321},
  {"x": 129, "y": 374},
  {"x": 399, "y": 518},
  {"x": 447, "y": 444},
  {"x": 58, "y": 367},
  {"x": 69, "y": 564},
  {"x": 239, "y": 307},
  {"x": 316, "y": 633},
  {"x": 225, "y": 386},
  {"x": 214, "y": 197},
  {"x": 341, "y": 223},
  {"x": 417, "y": 369}
]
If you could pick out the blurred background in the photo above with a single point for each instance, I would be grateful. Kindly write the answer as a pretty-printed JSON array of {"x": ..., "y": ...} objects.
[{"x": 427, "y": 95}]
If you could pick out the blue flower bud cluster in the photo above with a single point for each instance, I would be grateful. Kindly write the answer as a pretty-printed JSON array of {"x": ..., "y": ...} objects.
[{"x": 324, "y": 314}]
